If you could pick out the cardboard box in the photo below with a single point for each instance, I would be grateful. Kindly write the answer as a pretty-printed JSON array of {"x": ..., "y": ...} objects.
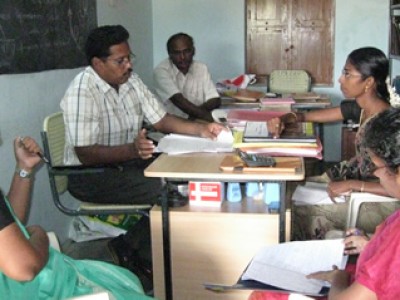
[{"x": 206, "y": 193}]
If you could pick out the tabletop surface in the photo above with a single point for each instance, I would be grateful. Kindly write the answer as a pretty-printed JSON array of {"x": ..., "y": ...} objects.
[{"x": 207, "y": 166}]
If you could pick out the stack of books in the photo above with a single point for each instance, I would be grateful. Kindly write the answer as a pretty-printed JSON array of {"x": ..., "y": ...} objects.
[
  {"x": 277, "y": 104},
  {"x": 298, "y": 140}
]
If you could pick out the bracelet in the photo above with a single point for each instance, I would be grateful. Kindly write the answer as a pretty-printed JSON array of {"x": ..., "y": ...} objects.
[{"x": 362, "y": 187}]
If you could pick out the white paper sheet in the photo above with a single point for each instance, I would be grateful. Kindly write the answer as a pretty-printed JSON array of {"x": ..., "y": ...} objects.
[
  {"x": 178, "y": 143},
  {"x": 313, "y": 193},
  {"x": 286, "y": 265}
]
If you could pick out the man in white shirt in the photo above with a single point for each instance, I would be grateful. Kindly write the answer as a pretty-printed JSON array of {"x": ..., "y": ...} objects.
[{"x": 184, "y": 85}]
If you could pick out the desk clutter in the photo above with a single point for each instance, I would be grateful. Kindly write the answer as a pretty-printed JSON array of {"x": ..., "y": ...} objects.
[{"x": 212, "y": 194}]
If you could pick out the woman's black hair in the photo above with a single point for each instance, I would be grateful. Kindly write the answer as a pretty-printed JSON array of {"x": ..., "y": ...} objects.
[
  {"x": 370, "y": 61},
  {"x": 382, "y": 137},
  {"x": 102, "y": 38}
]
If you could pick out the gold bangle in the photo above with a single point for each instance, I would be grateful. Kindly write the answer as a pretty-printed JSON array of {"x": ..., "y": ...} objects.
[{"x": 362, "y": 187}]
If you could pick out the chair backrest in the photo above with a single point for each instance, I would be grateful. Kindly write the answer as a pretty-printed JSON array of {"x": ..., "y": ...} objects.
[
  {"x": 289, "y": 81},
  {"x": 53, "y": 136}
]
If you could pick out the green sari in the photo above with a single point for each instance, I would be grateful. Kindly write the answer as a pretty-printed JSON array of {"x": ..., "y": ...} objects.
[{"x": 64, "y": 277}]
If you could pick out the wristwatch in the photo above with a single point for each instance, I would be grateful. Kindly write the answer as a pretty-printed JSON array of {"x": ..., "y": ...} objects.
[{"x": 23, "y": 173}]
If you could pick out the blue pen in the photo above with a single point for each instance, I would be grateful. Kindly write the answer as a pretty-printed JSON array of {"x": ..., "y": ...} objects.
[{"x": 356, "y": 232}]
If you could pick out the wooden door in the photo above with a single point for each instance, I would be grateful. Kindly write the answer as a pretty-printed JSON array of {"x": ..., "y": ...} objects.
[
  {"x": 312, "y": 39},
  {"x": 267, "y": 36},
  {"x": 291, "y": 34}
]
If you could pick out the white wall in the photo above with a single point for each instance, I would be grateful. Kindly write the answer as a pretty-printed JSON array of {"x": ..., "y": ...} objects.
[
  {"x": 27, "y": 98},
  {"x": 218, "y": 27}
]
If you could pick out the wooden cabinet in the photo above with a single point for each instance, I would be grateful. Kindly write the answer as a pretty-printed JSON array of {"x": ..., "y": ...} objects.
[
  {"x": 212, "y": 244},
  {"x": 290, "y": 34},
  {"x": 394, "y": 34}
]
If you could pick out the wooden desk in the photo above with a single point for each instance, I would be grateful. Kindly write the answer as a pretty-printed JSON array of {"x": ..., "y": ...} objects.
[
  {"x": 212, "y": 244},
  {"x": 206, "y": 166}
]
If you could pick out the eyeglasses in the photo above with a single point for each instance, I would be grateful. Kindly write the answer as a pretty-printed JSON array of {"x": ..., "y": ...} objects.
[
  {"x": 123, "y": 61},
  {"x": 349, "y": 75},
  {"x": 184, "y": 52}
]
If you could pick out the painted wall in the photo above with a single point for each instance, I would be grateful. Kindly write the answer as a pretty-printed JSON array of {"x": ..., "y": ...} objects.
[
  {"x": 218, "y": 27},
  {"x": 27, "y": 98}
]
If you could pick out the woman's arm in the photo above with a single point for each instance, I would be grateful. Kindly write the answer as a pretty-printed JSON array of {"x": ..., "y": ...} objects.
[
  {"x": 21, "y": 258},
  {"x": 341, "y": 288},
  {"x": 26, "y": 157}
]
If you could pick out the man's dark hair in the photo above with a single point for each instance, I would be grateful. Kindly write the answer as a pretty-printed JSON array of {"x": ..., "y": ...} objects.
[
  {"x": 102, "y": 38},
  {"x": 178, "y": 36}
]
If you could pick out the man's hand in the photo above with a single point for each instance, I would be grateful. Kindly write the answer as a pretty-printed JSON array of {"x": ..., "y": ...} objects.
[
  {"x": 143, "y": 145},
  {"x": 211, "y": 130}
]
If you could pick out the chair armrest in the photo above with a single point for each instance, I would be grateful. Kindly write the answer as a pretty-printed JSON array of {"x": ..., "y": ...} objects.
[
  {"x": 68, "y": 170},
  {"x": 357, "y": 199}
]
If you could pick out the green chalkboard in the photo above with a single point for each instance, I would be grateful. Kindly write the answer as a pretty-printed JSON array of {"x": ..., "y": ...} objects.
[{"x": 38, "y": 35}]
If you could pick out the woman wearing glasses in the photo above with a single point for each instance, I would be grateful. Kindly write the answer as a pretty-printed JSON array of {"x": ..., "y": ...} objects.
[{"x": 363, "y": 79}]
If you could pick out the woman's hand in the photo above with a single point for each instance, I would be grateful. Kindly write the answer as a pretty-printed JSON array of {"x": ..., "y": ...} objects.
[
  {"x": 339, "y": 188},
  {"x": 275, "y": 127},
  {"x": 26, "y": 152},
  {"x": 355, "y": 241},
  {"x": 326, "y": 275}
]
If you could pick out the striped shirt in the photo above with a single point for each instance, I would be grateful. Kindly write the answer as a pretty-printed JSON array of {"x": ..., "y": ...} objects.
[
  {"x": 196, "y": 86},
  {"x": 95, "y": 113}
]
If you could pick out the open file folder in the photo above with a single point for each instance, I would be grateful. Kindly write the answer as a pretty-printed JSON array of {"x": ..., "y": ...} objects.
[{"x": 283, "y": 267}]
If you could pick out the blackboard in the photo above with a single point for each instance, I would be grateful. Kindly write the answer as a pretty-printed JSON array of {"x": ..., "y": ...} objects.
[{"x": 38, "y": 35}]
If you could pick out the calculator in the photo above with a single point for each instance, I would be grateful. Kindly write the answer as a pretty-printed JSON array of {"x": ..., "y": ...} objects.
[{"x": 257, "y": 160}]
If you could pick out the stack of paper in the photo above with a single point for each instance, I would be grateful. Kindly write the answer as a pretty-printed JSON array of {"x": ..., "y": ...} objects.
[
  {"x": 286, "y": 265},
  {"x": 178, "y": 143},
  {"x": 277, "y": 148},
  {"x": 277, "y": 104}
]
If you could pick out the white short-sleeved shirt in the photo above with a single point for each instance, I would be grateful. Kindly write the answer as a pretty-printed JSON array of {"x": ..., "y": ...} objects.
[
  {"x": 95, "y": 113},
  {"x": 196, "y": 85}
]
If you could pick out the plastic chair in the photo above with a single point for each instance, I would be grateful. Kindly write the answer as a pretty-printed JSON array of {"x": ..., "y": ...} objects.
[
  {"x": 53, "y": 138},
  {"x": 289, "y": 81},
  {"x": 356, "y": 200}
]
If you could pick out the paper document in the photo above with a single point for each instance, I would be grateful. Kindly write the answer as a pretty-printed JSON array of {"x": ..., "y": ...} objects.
[
  {"x": 178, "y": 143},
  {"x": 286, "y": 265},
  {"x": 314, "y": 193}
]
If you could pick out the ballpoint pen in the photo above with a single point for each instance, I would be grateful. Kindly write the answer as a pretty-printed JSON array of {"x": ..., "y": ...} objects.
[{"x": 44, "y": 158}]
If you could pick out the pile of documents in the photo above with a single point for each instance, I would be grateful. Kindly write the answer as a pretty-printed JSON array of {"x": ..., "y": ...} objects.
[{"x": 179, "y": 143}]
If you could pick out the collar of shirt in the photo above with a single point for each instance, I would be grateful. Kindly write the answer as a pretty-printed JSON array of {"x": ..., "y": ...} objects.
[{"x": 176, "y": 71}]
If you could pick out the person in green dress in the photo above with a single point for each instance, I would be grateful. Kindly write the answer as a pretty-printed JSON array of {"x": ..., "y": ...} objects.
[{"x": 29, "y": 267}]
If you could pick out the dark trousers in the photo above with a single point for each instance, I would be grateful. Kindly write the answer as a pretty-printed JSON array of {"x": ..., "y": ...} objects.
[{"x": 123, "y": 183}]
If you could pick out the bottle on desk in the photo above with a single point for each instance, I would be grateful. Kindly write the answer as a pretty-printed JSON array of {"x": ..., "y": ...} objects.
[
  {"x": 272, "y": 195},
  {"x": 254, "y": 190},
  {"x": 234, "y": 193}
]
